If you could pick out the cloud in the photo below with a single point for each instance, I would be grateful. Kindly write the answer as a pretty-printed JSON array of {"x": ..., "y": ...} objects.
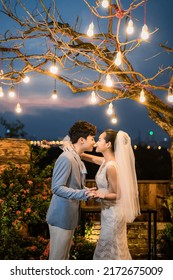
[{"x": 33, "y": 103}]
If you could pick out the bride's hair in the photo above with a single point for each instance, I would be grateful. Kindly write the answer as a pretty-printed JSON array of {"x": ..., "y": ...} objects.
[{"x": 110, "y": 137}]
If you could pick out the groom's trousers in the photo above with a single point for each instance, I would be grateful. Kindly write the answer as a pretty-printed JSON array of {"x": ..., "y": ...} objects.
[{"x": 60, "y": 243}]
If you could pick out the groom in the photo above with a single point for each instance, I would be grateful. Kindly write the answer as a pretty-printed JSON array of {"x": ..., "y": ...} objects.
[{"x": 67, "y": 187}]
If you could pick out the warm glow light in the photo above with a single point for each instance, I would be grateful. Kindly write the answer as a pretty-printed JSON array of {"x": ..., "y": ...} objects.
[
  {"x": 109, "y": 82},
  {"x": 170, "y": 94},
  {"x": 114, "y": 119},
  {"x": 170, "y": 98},
  {"x": 54, "y": 94},
  {"x": 159, "y": 147},
  {"x": 145, "y": 33},
  {"x": 118, "y": 59},
  {"x": 54, "y": 68},
  {"x": 135, "y": 147},
  {"x": 12, "y": 93},
  {"x": 130, "y": 27},
  {"x": 1, "y": 92},
  {"x": 142, "y": 96},
  {"x": 90, "y": 31},
  {"x": 26, "y": 79},
  {"x": 93, "y": 97},
  {"x": 110, "y": 109},
  {"x": 18, "y": 108},
  {"x": 105, "y": 3}
]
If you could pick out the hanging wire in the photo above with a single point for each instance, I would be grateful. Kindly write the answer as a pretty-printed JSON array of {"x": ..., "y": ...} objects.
[{"x": 145, "y": 11}]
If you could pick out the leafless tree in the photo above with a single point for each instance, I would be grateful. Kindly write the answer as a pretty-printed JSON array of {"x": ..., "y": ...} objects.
[{"x": 84, "y": 61}]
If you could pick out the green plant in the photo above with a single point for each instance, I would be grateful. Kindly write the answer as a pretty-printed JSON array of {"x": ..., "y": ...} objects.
[
  {"x": 24, "y": 200},
  {"x": 82, "y": 249},
  {"x": 167, "y": 202},
  {"x": 14, "y": 129},
  {"x": 166, "y": 241}
]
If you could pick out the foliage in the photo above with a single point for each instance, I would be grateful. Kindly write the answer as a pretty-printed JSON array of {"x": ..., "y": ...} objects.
[
  {"x": 24, "y": 200},
  {"x": 39, "y": 166},
  {"x": 82, "y": 248},
  {"x": 15, "y": 247},
  {"x": 14, "y": 129},
  {"x": 167, "y": 202},
  {"x": 166, "y": 241}
]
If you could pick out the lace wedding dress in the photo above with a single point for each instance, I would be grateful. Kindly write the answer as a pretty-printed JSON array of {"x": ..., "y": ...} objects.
[{"x": 112, "y": 243}]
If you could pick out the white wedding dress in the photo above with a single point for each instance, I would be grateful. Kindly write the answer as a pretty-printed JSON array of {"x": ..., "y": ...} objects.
[{"x": 112, "y": 243}]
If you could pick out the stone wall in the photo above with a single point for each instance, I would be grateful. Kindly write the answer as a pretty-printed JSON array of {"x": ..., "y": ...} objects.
[
  {"x": 137, "y": 235},
  {"x": 16, "y": 151}
]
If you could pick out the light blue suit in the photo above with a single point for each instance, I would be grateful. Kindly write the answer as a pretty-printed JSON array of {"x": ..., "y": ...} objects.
[{"x": 67, "y": 190}]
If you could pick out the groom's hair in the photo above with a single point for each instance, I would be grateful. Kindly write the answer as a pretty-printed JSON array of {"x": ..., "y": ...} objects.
[{"x": 81, "y": 129}]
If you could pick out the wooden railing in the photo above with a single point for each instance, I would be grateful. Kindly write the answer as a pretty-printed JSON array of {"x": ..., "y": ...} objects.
[{"x": 150, "y": 193}]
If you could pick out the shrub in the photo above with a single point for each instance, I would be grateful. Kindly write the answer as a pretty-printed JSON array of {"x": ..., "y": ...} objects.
[
  {"x": 24, "y": 200},
  {"x": 166, "y": 242}
]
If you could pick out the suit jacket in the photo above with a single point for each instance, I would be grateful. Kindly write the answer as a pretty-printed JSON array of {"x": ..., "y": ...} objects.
[{"x": 67, "y": 191}]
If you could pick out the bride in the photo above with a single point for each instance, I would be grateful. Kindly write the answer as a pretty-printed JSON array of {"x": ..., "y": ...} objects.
[{"x": 118, "y": 193}]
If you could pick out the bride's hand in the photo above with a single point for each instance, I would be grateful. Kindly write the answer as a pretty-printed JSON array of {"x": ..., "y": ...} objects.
[
  {"x": 67, "y": 145},
  {"x": 98, "y": 194}
]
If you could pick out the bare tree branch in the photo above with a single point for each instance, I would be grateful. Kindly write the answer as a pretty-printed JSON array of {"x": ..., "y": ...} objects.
[{"x": 84, "y": 61}]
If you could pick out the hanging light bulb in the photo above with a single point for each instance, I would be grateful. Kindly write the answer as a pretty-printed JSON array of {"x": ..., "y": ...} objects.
[
  {"x": 109, "y": 82},
  {"x": 90, "y": 31},
  {"x": 114, "y": 119},
  {"x": 142, "y": 96},
  {"x": 130, "y": 27},
  {"x": 145, "y": 33},
  {"x": 54, "y": 94},
  {"x": 93, "y": 97},
  {"x": 26, "y": 79},
  {"x": 18, "y": 108},
  {"x": 170, "y": 94},
  {"x": 110, "y": 109},
  {"x": 118, "y": 59},
  {"x": 54, "y": 68},
  {"x": 1, "y": 92},
  {"x": 12, "y": 93},
  {"x": 105, "y": 3}
]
